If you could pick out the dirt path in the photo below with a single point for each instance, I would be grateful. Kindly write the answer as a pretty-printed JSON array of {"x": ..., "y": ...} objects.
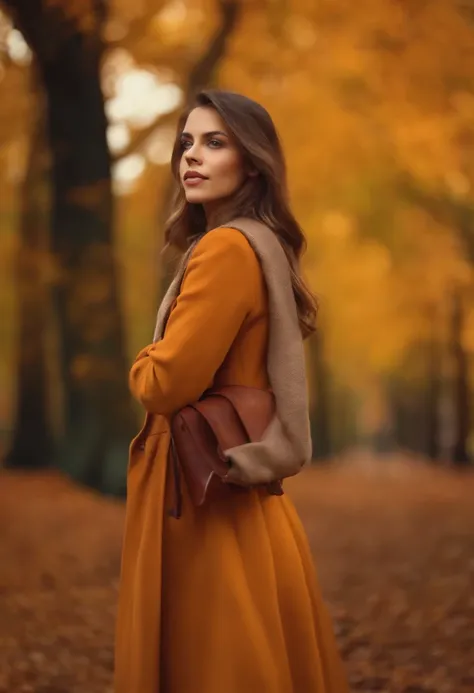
[{"x": 393, "y": 543}]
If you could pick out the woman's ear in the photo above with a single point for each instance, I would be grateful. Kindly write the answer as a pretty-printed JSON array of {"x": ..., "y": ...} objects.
[{"x": 252, "y": 173}]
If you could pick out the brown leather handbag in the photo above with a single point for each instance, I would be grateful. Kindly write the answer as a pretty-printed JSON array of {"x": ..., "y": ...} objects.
[{"x": 225, "y": 418}]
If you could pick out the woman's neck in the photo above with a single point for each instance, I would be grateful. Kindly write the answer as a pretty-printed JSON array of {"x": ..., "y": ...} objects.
[{"x": 218, "y": 213}]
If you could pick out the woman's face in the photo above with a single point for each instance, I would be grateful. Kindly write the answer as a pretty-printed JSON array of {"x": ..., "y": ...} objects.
[{"x": 211, "y": 167}]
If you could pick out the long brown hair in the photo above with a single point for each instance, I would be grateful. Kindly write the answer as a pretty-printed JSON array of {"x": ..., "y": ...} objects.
[{"x": 263, "y": 197}]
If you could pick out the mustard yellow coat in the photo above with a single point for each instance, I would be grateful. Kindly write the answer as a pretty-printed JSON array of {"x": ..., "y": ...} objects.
[{"x": 225, "y": 599}]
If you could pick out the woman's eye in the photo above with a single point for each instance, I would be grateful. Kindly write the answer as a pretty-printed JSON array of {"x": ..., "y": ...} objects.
[{"x": 187, "y": 144}]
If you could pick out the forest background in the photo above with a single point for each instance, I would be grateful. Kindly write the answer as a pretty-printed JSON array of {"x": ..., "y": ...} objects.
[{"x": 374, "y": 102}]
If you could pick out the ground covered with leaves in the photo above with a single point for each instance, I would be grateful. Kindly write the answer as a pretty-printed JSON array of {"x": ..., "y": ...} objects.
[{"x": 393, "y": 542}]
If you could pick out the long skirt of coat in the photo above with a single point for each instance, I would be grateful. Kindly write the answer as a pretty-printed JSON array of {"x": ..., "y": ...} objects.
[{"x": 223, "y": 600}]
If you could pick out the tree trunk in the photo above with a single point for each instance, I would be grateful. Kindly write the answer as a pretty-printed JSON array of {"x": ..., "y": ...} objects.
[
  {"x": 99, "y": 420},
  {"x": 408, "y": 397},
  {"x": 434, "y": 366},
  {"x": 398, "y": 412},
  {"x": 32, "y": 443},
  {"x": 460, "y": 383},
  {"x": 320, "y": 414},
  {"x": 98, "y": 417}
]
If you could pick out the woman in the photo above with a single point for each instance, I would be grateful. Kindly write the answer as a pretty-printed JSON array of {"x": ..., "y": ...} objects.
[{"x": 223, "y": 599}]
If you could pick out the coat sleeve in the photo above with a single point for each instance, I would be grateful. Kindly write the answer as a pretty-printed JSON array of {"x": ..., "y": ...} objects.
[{"x": 218, "y": 292}]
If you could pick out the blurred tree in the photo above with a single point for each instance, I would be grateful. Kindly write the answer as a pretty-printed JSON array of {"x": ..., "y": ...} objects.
[
  {"x": 98, "y": 418},
  {"x": 320, "y": 412},
  {"x": 32, "y": 444},
  {"x": 434, "y": 389},
  {"x": 457, "y": 215},
  {"x": 462, "y": 399}
]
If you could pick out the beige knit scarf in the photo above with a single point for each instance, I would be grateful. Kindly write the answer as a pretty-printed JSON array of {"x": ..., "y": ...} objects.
[{"x": 286, "y": 444}]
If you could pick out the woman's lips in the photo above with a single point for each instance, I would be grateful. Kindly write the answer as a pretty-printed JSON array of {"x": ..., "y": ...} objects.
[{"x": 193, "y": 181}]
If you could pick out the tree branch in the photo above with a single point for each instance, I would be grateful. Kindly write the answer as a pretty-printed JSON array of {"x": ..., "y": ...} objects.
[
  {"x": 200, "y": 76},
  {"x": 203, "y": 72},
  {"x": 142, "y": 137}
]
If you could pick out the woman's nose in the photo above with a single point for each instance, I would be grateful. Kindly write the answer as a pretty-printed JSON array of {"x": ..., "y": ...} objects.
[
  {"x": 190, "y": 159},
  {"x": 192, "y": 156}
]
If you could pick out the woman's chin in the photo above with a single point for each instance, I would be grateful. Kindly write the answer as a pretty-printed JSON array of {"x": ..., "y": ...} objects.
[{"x": 194, "y": 197}]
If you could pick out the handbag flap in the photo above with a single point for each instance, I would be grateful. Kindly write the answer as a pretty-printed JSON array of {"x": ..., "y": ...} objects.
[
  {"x": 223, "y": 420},
  {"x": 256, "y": 408},
  {"x": 237, "y": 414}
]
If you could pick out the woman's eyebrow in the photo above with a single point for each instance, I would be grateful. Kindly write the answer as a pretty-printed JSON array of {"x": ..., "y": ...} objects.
[{"x": 213, "y": 133}]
